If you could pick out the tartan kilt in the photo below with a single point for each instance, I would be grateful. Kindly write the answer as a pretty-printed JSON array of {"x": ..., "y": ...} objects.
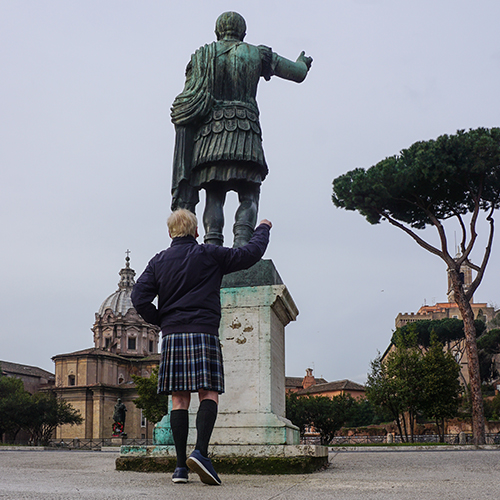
[{"x": 189, "y": 362}]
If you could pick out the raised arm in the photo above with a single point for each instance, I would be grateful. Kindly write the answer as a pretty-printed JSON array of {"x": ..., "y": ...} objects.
[{"x": 289, "y": 70}]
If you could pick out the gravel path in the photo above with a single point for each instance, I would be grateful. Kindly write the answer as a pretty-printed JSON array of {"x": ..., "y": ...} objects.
[{"x": 432, "y": 475}]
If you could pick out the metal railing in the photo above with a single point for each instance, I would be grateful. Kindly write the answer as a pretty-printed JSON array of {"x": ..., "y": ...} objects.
[
  {"x": 424, "y": 438},
  {"x": 98, "y": 444},
  {"x": 94, "y": 444}
]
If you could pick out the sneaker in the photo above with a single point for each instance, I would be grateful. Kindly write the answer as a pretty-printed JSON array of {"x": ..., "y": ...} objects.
[
  {"x": 180, "y": 475},
  {"x": 203, "y": 467}
]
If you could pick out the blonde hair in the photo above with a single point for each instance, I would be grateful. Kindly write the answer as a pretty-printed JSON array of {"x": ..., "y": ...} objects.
[{"x": 182, "y": 222}]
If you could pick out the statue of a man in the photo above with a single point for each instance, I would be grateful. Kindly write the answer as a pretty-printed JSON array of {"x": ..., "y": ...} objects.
[
  {"x": 218, "y": 145},
  {"x": 119, "y": 412}
]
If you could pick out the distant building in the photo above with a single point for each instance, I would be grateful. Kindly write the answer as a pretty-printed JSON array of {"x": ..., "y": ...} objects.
[
  {"x": 443, "y": 310},
  {"x": 309, "y": 385},
  {"x": 294, "y": 384},
  {"x": 336, "y": 388},
  {"x": 33, "y": 378},
  {"x": 93, "y": 379}
]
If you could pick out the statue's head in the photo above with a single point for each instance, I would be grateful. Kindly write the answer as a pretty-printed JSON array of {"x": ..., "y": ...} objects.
[{"x": 230, "y": 25}]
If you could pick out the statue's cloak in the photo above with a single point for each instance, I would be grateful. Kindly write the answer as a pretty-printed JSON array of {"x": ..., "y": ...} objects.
[{"x": 189, "y": 107}]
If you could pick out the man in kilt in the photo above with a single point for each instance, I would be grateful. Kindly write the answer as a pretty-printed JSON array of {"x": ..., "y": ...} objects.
[{"x": 186, "y": 278}]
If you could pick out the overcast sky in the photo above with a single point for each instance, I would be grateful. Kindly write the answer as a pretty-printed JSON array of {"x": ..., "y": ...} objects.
[{"x": 86, "y": 148}]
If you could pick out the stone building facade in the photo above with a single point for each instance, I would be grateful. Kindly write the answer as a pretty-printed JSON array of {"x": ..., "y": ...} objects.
[
  {"x": 444, "y": 310},
  {"x": 34, "y": 378},
  {"x": 309, "y": 385},
  {"x": 93, "y": 379}
]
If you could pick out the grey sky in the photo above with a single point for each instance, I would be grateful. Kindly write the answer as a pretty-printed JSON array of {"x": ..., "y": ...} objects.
[{"x": 86, "y": 150}]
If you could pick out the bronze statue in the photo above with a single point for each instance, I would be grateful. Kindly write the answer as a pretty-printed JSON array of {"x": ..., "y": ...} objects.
[
  {"x": 218, "y": 144},
  {"x": 119, "y": 412}
]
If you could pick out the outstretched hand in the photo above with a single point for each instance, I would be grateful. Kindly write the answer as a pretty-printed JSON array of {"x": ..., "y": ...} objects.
[
  {"x": 305, "y": 59},
  {"x": 265, "y": 221}
]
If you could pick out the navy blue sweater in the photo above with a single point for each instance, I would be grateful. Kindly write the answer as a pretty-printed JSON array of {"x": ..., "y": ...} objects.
[{"x": 187, "y": 277}]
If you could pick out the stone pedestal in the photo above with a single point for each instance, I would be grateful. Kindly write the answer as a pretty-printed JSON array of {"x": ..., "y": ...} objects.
[
  {"x": 162, "y": 432},
  {"x": 252, "y": 333},
  {"x": 251, "y": 422}
]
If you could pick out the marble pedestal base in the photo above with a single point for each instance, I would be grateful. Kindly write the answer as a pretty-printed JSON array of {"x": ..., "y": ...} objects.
[{"x": 230, "y": 459}]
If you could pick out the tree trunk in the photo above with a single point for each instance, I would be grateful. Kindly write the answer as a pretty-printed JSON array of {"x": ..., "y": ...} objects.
[
  {"x": 440, "y": 429},
  {"x": 398, "y": 423},
  {"x": 413, "y": 418},
  {"x": 405, "y": 429},
  {"x": 478, "y": 431}
]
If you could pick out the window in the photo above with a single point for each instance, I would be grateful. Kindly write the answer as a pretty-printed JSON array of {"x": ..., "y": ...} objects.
[
  {"x": 107, "y": 341},
  {"x": 132, "y": 343},
  {"x": 150, "y": 346},
  {"x": 143, "y": 420},
  {"x": 120, "y": 379},
  {"x": 71, "y": 380}
]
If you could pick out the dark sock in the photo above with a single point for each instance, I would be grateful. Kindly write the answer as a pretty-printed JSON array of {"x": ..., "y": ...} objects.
[
  {"x": 179, "y": 422},
  {"x": 205, "y": 421}
]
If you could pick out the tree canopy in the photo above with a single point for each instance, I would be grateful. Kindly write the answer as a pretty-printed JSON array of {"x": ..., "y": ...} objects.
[
  {"x": 488, "y": 345},
  {"x": 154, "y": 405},
  {"x": 39, "y": 414},
  {"x": 410, "y": 382},
  {"x": 46, "y": 412},
  {"x": 452, "y": 177},
  {"x": 429, "y": 182},
  {"x": 440, "y": 397},
  {"x": 446, "y": 330},
  {"x": 13, "y": 403},
  {"x": 325, "y": 415},
  {"x": 397, "y": 384}
]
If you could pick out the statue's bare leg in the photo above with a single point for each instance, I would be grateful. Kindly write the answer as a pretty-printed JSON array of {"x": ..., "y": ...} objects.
[
  {"x": 213, "y": 216},
  {"x": 246, "y": 215}
]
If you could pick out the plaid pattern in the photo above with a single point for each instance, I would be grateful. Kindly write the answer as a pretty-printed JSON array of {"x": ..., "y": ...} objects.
[{"x": 190, "y": 361}]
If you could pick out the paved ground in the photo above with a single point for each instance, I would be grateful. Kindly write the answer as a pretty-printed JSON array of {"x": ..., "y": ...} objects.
[{"x": 429, "y": 475}]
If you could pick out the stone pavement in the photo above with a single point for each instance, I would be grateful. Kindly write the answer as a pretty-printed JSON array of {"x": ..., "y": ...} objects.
[{"x": 371, "y": 475}]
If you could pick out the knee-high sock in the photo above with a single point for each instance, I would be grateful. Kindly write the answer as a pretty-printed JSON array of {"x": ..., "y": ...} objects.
[
  {"x": 205, "y": 421},
  {"x": 179, "y": 422}
]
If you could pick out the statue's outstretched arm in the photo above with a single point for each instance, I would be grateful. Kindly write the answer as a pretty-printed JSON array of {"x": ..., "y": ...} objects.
[{"x": 294, "y": 71}]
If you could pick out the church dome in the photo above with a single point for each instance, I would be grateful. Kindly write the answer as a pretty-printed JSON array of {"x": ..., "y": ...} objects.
[
  {"x": 120, "y": 301},
  {"x": 118, "y": 328}
]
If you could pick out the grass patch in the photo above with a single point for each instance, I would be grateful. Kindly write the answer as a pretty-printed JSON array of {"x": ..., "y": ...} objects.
[{"x": 230, "y": 465}]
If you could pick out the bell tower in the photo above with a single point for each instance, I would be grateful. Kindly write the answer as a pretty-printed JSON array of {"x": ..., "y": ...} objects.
[{"x": 465, "y": 274}]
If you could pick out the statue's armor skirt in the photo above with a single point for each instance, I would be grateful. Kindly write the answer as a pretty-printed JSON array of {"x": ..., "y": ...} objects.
[{"x": 228, "y": 146}]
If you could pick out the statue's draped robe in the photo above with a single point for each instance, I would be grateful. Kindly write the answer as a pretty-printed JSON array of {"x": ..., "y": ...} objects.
[{"x": 216, "y": 118}]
